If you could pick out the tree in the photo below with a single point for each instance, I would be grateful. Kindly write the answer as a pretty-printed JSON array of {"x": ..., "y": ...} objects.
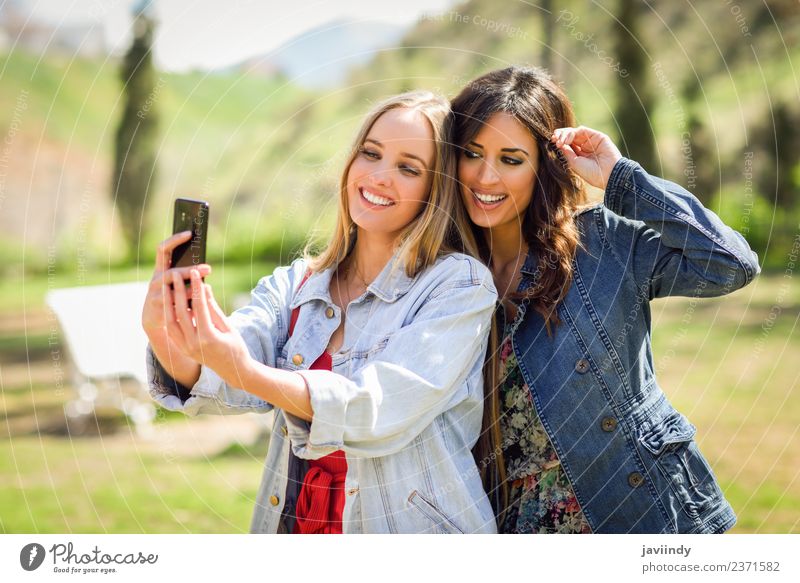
[
  {"x": 634, "y": 96},
  {"x": 135, "y": 144},
  {"x": 702, "y": 169},
  {"x": 779, "y": 140},
  {"x": 548, "y": 37}
]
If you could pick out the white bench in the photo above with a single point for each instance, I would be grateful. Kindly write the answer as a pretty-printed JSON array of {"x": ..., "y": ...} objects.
[{"x": 102, "y": 330}]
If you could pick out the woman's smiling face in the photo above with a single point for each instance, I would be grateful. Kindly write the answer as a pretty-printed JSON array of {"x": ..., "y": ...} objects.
[
  {"x": 389, "y": 180},
  {"x": 497, "y": 172}
]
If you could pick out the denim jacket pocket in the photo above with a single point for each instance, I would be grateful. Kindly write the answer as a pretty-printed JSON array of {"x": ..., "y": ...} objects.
[
  {"x": 673, "y": 429},
  {"x": 432, "y": 513},
  {"x": 682, "y": 465}
]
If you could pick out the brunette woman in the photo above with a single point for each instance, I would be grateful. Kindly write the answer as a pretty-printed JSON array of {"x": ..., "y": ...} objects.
[{"x": 579, "y": 436}]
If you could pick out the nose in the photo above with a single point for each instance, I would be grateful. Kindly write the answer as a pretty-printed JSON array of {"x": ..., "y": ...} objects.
[
  {"x": 381, "y": 176},
  {"x": 487, "y": 175}
]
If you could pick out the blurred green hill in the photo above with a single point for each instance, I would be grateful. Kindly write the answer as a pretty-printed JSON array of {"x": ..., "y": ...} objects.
[
  {"x": 222, "y": 137},
  {"x": 267, "y": 154}
]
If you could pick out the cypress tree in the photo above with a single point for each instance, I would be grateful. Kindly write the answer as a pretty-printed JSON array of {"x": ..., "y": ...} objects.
[{"x": 135, "y": 144}]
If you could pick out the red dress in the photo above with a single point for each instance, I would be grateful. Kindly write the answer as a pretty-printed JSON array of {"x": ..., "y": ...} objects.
[{"x": 321, "y": 500}]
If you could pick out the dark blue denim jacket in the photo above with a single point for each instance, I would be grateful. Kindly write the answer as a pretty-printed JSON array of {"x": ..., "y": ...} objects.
[{"x": 631, "y": 457}]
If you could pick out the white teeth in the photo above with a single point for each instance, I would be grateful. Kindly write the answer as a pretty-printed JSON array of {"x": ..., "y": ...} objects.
[
  {"x": 375, "y": 199},
  {"x": 488, "y": 198}
]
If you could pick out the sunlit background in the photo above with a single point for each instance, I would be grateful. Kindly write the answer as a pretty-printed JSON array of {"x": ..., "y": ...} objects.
[{"x": 111, "y": 109}]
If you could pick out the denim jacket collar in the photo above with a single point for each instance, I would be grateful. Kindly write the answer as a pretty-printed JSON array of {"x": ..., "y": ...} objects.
[
  {"x": 529, "y": 271},
  {"x": 391, "y": 284},
  {"x": 316, "y": 287},
  {"x": 529, "y": 267}
]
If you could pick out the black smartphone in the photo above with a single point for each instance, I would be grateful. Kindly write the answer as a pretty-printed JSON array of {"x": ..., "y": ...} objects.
[{"x": 190, "y": 215}]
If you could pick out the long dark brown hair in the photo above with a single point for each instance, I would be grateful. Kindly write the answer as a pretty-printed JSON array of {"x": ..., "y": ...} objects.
[{"x": 548, "y": 225}]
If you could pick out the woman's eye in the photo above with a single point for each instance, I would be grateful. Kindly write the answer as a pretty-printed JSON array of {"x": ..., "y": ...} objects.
[
  {"x": 410, "y": 170},
  {"x": 511, "y": 161},
  {"x": 471, "y": 154},
  {"x": 371, "y": 154}
]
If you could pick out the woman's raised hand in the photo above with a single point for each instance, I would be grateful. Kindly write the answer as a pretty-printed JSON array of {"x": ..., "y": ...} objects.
[
  {"x": 159, "y": 306},
  {"x": 591, "y": 154},
  {"x": 183, "y": 337},
  {"x": 203, "y": 333}
]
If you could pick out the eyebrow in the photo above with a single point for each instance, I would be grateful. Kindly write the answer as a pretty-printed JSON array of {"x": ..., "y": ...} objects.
[
  {"x": 406, "y": 154},
  {"x": 477, "y": 145}
]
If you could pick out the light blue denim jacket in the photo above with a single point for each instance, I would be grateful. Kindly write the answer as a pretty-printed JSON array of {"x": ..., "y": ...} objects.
[
  {"x": 404, "y": 400},
  {"x": 630, "y": 456}
]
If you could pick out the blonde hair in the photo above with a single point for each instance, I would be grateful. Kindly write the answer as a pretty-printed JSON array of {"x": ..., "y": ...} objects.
[{"x": 441, "y": 227}]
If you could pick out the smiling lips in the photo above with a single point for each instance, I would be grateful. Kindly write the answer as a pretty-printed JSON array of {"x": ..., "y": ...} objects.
[
  {"x": 486, "y": 200},
  {"x": 375, "y": 199}
]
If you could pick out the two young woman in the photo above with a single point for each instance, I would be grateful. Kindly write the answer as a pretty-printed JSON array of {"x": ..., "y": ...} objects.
[{"x": 577, "y": 435}]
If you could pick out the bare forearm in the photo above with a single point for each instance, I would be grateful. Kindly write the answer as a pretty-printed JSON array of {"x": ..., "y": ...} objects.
[{"x": 284, "y": 389}]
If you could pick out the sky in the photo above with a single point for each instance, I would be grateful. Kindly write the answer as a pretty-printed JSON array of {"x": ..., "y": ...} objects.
[{"x": 210, "y": 34}]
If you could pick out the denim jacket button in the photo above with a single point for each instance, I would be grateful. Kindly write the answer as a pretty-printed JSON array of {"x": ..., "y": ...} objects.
[
  {"x": 329, "y": 313},
  {"x": 274, "y": 500},
  {"x": 285, "y": 430},
  {"x": 635, "y": 479},
  {"x": 297, "y": 359},
  {"x": 581, "y": 366},
  {"x": 608, "y": 424}
]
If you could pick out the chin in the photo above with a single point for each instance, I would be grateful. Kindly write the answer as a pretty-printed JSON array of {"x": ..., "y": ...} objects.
[
  {"x": 482, "y": 221},
  {"x": 370, "y": 226}
]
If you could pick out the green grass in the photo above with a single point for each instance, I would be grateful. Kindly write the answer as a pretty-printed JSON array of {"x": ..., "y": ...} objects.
[
  {"x": 52, "y": 482},
  {"x": 86, "y": 485},
  {"x": 729, "y": 367}
]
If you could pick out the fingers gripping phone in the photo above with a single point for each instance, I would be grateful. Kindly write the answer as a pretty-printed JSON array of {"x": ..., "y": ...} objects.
[{"x": 190, "y": 215}]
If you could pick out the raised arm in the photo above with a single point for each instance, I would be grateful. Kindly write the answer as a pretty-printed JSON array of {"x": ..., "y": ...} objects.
[
  {"x": 432, "y": 363},
  {"x": 664, "y": 237},
  {"x": 262, "y": 327},
  {"x": 672, "y": 243}
]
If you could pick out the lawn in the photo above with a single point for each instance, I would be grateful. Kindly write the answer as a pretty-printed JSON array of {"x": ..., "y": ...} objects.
[{"x": 727, "y": 363}]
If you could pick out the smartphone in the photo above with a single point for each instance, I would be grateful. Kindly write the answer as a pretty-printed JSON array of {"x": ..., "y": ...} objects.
[{"x": 190, "y": 215}]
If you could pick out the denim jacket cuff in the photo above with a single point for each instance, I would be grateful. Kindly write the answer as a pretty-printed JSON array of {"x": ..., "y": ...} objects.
[
  {"x": 618, "y": 183},
  {"x": 325, "y": 433},
  {"x": 161, "y": 382}
]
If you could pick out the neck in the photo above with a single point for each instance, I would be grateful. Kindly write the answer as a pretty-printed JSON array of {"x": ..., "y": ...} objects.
[
  {"x": 507, "y": 248},
  {"x": 371, "y": 254}
]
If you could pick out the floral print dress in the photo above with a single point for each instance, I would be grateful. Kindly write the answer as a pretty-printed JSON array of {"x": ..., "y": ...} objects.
[{"x": 541, "y": 498}]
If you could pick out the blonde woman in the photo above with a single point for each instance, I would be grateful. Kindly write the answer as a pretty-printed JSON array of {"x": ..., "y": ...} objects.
[{"x": 370, "y": 353}]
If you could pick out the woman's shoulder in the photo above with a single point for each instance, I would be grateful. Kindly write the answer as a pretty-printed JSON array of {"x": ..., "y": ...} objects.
[
  {"x": 607, "y": 237},
  {"x": 284, "y": 280},
  {"x": 600, "y": 220},
  {"x": 295, "y": 269},
  {"x": 460, "y": 269}
]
